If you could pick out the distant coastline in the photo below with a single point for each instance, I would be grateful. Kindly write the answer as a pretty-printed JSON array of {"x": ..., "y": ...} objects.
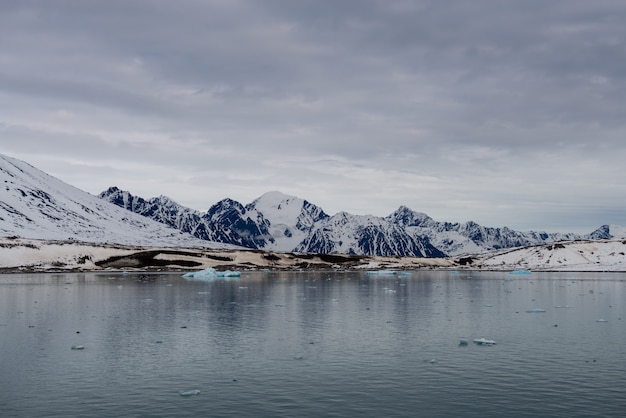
[{"x": 20, "y": 255}]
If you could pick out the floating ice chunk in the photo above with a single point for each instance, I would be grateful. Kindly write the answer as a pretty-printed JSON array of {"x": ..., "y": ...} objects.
[
  {"x": 521, "y": 271},
  {"x": 536, "y": 310},
  {"x": 211, "y": 273},
  {"x": 228, "y": 273},
  {"x": 601, "y": 320},
  {"x": 463, "y": 341},
  {"x": 189, "y": 392},
  {"x": 484, "y": 341},
  {"x": 78, "y": 347},
  {"x": 381, "y": 272}
]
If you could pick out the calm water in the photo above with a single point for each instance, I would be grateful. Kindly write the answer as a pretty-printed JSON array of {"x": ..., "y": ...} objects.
[{"x": 312, "y": 345}]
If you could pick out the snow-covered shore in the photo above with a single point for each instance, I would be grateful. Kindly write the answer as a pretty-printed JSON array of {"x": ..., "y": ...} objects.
[
  {"x": 580, "y": 255},
  {"x": 22, "y": 254}
]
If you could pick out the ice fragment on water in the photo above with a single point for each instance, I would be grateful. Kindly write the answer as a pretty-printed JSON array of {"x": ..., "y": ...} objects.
[
  {"x": 484, "y": 341},
  {"x": 536, "y": 310},
  {"x": 78, "y": 347},
  {"x": 210, "y": 274},
  {"x": 189, "y": 392},
  {"x": 601, "y": 320},
  {"x": 381, "y": 272}
]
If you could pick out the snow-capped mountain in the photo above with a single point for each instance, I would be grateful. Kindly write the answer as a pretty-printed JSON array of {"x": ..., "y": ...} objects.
[
  {"x": 366, "y": 235},
  {"x": 274, "y": 221},
  {"x": 280, "y": 222},
  {"x": 609, "y": 232},
  {"x": 465, "y": 238},
  {"x": 34, "y": 204},
  {"x": 289, "y": 219}
]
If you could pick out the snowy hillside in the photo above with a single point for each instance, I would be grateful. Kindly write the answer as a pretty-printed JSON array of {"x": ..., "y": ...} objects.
[
  {"x": 580, "y": 255},
  {"x": 36, "y": 205}
]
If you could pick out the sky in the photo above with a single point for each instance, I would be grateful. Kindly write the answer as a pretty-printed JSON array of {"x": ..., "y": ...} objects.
[{"x": 504, "y": 112}]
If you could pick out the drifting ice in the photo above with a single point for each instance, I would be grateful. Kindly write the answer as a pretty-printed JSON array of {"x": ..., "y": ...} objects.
[
  {"x": 536, "y": 310},
  {"x": 382, "y": 272},
  {"x": 211, "y": 273},
  {"x": 484, "y": 341},
  {"x": 189, "y": 392},
  {"x": 520, "y": 272}
]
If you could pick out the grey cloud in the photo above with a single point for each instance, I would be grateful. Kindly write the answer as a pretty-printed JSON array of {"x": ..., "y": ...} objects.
[{"x": 460, "y": 90}]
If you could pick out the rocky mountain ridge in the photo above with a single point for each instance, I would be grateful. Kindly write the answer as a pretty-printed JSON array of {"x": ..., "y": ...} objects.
[{"x": 284, "y": 223}]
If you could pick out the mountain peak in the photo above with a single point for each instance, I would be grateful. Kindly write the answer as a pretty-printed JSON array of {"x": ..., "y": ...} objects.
[{"x": 407, "y": 217}]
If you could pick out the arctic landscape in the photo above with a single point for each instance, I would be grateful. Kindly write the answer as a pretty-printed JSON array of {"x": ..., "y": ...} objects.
[{"x": 46, "y": 224}]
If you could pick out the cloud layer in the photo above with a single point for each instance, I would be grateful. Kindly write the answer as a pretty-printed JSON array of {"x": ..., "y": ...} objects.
[{"x": 503, "y": 112}]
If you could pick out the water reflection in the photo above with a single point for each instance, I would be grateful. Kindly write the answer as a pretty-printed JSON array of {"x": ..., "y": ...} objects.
[{"x": 312, "y": 344}]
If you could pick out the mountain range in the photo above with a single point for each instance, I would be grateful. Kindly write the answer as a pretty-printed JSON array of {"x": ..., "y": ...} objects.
[
  {"x": 285, "y": 223},
  {"x": 36, "y": 205}
]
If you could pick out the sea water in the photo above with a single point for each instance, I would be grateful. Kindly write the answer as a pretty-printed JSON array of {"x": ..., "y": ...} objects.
[{"x": 313, "y": 344}]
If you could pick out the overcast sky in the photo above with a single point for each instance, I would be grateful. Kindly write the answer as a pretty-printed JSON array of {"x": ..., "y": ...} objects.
[{"x": 498, "y": 111}]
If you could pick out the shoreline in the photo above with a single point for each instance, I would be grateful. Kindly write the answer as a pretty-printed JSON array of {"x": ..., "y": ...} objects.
[{"x": 22, "y": 255}]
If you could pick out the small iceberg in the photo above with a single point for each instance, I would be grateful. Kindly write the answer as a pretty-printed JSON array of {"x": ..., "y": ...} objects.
[
  {"x": 463, "y": 341},
  {"x": 601, "y": 320},
  {"x": 78, "y": 347},
  {"x": 210, "y": 274},
  {"x": 536, "y": 310},
  {"x": 484, "y": 341},
  {"x": 520, "y": 271},
  {"x": 189, "y": 392}
]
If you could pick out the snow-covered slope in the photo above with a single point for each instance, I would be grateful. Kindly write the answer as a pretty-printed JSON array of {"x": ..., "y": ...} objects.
[
  {"x": 580, "y": 255},
  {"x": 36, "y": 205}
]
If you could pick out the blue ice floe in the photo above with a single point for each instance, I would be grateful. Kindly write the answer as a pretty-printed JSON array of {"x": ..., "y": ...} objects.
[
  {"x": 520, "y": 271},
  {"x": 211, "y": 274}
]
